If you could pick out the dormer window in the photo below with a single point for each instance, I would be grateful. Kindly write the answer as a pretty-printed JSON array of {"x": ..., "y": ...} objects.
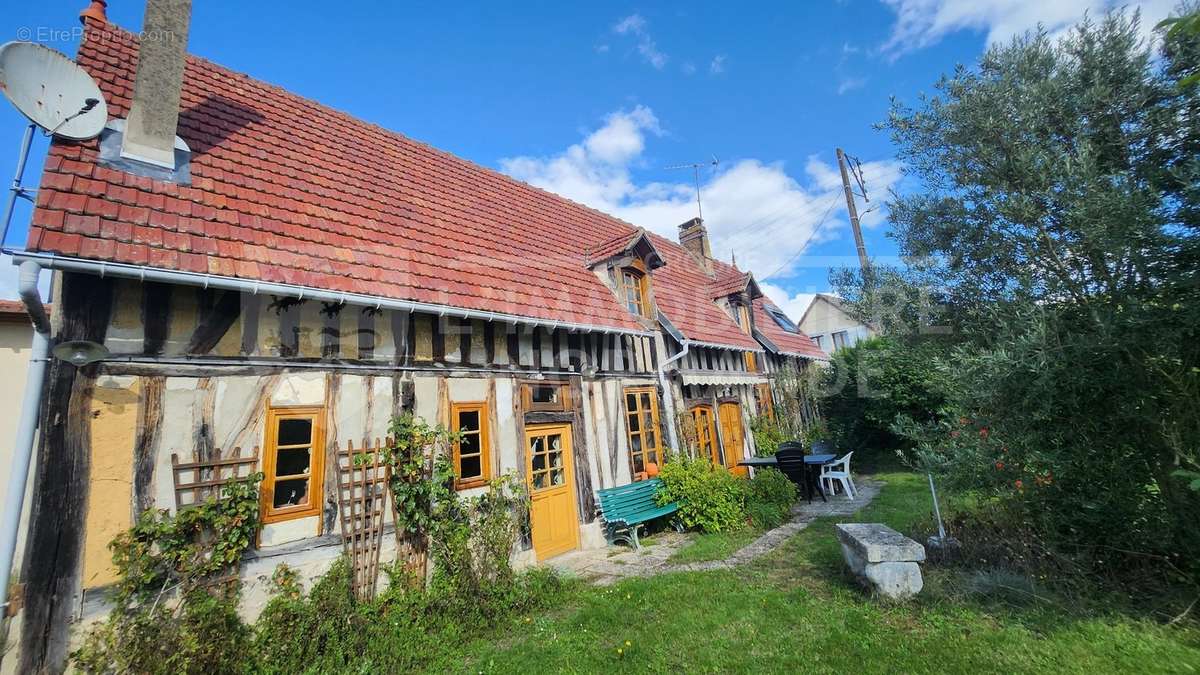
[{"x": 634, "y": 291}]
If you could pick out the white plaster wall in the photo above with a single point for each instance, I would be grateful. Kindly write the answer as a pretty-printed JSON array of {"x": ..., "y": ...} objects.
[
  {"x": 504, "y": 437},
  {"x": 175, "y": 436},
  {"x": 299, "y": 389}
]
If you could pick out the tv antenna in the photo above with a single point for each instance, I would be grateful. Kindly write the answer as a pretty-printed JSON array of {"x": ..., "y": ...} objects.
[
  {"x": 56, "y": 95},
  {"x": 695, "y": 167}
]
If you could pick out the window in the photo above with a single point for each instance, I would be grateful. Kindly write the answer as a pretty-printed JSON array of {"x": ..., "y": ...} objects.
[
  {"x": 472, "y": 454},
  {"x": 292, "y": 464},
  {"x": 820, "y": 340},
  {"x": 545, "y": 396},
  {"x": 762, "y": 397},
  {"x": 781, "y": 319},
  {"x": 633, "y": 291},
  {"x": 706, "y": 434},
  {"x": 641, "y": 423},
  {"x": 839, "y": 339}
]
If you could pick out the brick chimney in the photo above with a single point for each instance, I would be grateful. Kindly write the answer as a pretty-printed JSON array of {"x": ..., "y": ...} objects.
[{"x": 694, "y": 238}]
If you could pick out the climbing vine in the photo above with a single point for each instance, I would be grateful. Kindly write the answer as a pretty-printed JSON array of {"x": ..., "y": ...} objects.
[{"x": 171, "y": 607}]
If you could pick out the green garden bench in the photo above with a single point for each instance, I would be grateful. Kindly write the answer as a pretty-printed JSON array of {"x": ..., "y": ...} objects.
[{"x": 627, "y": 507}]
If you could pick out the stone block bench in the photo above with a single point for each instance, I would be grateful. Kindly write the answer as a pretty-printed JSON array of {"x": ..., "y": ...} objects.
[{"x": 884, "y": 558}]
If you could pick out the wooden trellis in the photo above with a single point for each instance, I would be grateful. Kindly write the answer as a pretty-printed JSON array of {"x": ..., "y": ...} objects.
[
  {"x": 199, "y": 479},
  {"x": 362, "y": 502}
]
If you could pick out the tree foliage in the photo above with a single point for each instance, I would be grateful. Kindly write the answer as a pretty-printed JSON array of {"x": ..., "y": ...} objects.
[{"x": 1055, "y": 238}]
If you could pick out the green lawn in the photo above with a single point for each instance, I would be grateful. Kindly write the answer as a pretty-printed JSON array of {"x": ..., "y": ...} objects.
[
  {"x": 795, "y": 610},
  {"x": 705, "y": 547}
]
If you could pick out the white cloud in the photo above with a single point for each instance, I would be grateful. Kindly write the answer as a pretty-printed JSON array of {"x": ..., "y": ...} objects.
[
  {"x": 753, "y": 208},
  {"x": 792, "y": 305},
  {"x": 718, "y": 65},
  {"x": 688, "y": 68},
  {"x": 634, "y": 25},
  {"x": 920, "y": 23},
  {"x": 602, "y": 48},
  {"x": 850, "y": 84}
]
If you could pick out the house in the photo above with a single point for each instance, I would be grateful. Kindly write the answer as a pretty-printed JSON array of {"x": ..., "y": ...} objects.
[
  {"x": 290, "y": 278},
  {"x": 831, "y": 325}
]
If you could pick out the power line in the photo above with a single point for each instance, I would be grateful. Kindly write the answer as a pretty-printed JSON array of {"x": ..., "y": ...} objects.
[{"x": 833, "y": 202}]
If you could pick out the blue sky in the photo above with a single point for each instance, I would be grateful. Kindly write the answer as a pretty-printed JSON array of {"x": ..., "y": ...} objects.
[{"x": 595, "y": 100}]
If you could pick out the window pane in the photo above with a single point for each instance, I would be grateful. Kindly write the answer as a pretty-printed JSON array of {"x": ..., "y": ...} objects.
[
  {"x": 635, "y": 444},
  {"x": 291, "y": 492},
  {"x": 292, "y": 462},
  {"x": 539, "y": 462},
  {"x": 631, "y": 402},
  {"x": 471, "y": 467},
  {"x": 556, "y": 477},
  {"x": 544, "y": 393},
  {"x": 652, "y": 457},
  {"x": 645, "y": 401},
  {"x": 295, "y": 431},
  {"x": 468, "y": 420},
  {"x": 539, "y": 481},
  {"x": 469, "y": 445},
  {"x": 634, "y": 426},
  {"x": 651, "y": 441},
  {"x": 647, "y": 420},
  {"x": 638, "y": 465}
]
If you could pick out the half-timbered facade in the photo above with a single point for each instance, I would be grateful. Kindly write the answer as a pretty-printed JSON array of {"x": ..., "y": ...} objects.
[{"x": 312, "y": 277}]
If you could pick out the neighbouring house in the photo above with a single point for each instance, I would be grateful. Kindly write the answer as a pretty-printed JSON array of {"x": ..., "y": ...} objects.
[
  {"x": 831, "y": 326},
  {"x": 297, "y": 277},
  {"x": 16, "y": 333}
]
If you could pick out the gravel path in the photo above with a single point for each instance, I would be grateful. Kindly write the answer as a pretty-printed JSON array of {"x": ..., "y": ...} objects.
[{"x": 606, "y": 566}]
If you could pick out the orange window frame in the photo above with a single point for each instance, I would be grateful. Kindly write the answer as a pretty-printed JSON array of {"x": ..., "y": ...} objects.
[
  {"x": 643, "y": 433},
  {"x": 562, "y": 405},
  {"x": 706, "y": 432},
  {"x": 635, "y": 291},
  {"x": 766, "y": 403},
  {"x": 483, "y": 443},
  {"x": 316, "y": 464}
]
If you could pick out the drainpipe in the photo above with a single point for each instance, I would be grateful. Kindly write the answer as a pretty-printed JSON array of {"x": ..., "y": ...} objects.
[
  {"x": 668, "y": 401},
  {"x": 14, "y": 500}
]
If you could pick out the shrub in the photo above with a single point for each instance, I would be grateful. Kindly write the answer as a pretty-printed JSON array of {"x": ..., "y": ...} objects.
[
  {"x": 768, "y": 434},
  {"x": 769, "y": 498},
  {"x": 869, "y": 384},
  {"x": 710, "y": 498},
  {"x": 169, "y": 614}
]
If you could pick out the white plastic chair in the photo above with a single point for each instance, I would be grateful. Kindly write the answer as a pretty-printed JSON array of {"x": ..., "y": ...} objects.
[{"x": 838, "y": 471}]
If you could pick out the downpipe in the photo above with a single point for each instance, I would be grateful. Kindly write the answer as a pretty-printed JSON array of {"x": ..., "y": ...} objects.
[
  {"x": 668, "y": 400},
  {"x": 14, "y": 500}
]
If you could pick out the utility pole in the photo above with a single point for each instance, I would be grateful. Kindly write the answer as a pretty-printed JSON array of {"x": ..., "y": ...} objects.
[{"x": 853, "y": 210}]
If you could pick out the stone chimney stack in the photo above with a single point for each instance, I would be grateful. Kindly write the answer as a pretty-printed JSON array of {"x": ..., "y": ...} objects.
[
  {"x": 694, "y": 238},
  {"x": 154, "y": 112}
]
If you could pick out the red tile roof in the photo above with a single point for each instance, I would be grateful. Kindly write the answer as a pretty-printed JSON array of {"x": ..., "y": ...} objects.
[
  {"x": 682, "y": 291},
  {"x": 285, "y": 190},
  {"x": 788, "y": 342},
  {"x": 729, "y": 281},
  {"x": 288, "y": 191}
]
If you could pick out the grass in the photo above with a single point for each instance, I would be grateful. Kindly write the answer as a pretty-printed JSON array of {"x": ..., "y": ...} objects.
[
  {"x": 796, "y": 610},
  {"x": 705, "y": 547}
]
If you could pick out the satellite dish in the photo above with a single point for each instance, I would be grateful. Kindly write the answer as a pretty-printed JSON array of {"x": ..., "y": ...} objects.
[{"x": 52, "y": 90}]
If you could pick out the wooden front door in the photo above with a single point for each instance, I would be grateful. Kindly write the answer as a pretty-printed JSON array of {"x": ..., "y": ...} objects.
[
  {"x": 732, "y": 437},
  {"x": 551, "y": 480}
]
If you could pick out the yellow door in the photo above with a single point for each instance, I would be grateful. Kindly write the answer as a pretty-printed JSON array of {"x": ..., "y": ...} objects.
[
  {"x": 551, "y": 489},
  {"x": 732, "y": 437}
]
